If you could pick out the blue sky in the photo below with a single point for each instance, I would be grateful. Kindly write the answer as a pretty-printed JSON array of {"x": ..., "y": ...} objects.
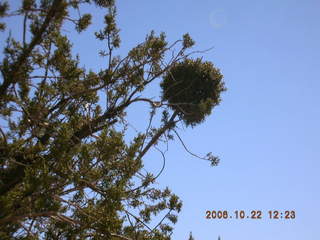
[{"x": 266, "y": 130}]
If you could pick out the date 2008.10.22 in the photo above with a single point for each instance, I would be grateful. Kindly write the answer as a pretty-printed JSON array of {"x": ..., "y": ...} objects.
[{"x": 254, "y": 214}]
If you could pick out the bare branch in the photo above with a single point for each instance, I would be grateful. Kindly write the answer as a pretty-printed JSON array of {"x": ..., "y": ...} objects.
[
  {"x": 165, "y": 216},
  {"x": 185, "y": 147},
  {"x": 29, "y": 215},
  {"x": 24, "y": 29},
  {"x": 158, "y": 135},
  {"x": 139, "y": 220}
]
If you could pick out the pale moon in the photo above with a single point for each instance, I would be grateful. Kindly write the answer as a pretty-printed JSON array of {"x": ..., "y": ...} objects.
[{"x": 218, "y": 19}]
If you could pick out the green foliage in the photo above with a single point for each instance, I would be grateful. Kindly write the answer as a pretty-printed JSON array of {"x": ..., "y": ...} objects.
[
  {"x": 67, "y": 167},
  {"x": 83, "y": 22},
  {"x": 187, "y": 41},
  {"x": 193, "y": 88},
  {"x": 4, "y": 7}
]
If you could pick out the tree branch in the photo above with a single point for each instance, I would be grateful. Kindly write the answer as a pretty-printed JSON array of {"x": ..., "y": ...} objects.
[
  {"x": 158, "y": 135},
  {"x": 16, "y": 67},
  {"x": 30, "y": 215}
]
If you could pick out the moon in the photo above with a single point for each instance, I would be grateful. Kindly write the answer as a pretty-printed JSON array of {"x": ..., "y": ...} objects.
[{"x": 218, "y": 19}]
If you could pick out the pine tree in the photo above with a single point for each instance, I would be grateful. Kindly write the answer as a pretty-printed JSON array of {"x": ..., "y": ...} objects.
[{"x": 67, "y": 170}]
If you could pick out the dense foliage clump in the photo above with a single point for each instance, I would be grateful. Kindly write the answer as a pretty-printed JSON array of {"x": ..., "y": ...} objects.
[{"x": 193, "y": 88}]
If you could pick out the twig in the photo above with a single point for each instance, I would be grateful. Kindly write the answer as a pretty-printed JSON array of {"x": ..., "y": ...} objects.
[
  {"x": 163, "y": 165},
  {"x": 185, "y": 147},
  {"x": 161, "y": 220},
  {"x": 136, "y": 218}
]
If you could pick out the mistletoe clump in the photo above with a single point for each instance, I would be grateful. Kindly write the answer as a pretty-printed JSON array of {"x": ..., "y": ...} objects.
[{"x": 192, "y": 88}]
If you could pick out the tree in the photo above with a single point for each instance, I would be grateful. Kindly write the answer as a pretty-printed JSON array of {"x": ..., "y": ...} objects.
[
  {"x": 66, "y": 169},
  {"x": 191, "y": 236}
]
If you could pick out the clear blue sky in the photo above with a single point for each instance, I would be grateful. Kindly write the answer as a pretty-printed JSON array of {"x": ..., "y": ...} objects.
[{"x": 266, "y": 130}]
